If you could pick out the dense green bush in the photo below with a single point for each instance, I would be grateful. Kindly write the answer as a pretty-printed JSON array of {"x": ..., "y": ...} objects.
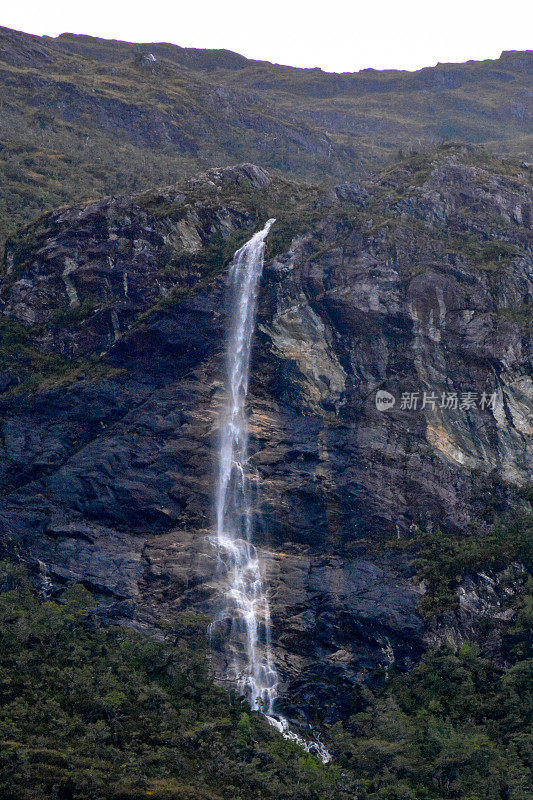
[
  {"x": 95, "y": 713},
  {"x": 455, "y": 727},
  {"x": 442, "y": 558}
]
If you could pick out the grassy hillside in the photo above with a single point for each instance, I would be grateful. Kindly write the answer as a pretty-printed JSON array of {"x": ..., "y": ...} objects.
[{"x": 84, "y": 117}]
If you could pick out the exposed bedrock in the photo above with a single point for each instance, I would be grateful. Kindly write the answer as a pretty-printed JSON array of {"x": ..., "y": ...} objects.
[{"x": 418, "y": 283}]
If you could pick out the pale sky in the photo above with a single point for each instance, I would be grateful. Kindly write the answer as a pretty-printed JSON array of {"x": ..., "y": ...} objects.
[{"x": 337, "y": 36}]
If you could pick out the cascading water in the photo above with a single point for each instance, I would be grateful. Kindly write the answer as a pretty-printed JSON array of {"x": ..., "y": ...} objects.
[
  {"x": 246, "y": 609},
  {"x": 46, "y": 583},
  {"x": 245, "y": 615}
]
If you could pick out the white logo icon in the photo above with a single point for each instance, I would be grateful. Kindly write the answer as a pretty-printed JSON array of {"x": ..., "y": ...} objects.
[{"x": 384, "y": 400}]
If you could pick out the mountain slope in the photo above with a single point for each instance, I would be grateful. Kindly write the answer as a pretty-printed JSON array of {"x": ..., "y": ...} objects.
[{"x": 84, "y": 117}]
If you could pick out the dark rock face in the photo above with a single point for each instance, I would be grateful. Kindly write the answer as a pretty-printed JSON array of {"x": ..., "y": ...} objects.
[
  {"x": 416, "y": 283},
  {"x": 336, "y": 621}
]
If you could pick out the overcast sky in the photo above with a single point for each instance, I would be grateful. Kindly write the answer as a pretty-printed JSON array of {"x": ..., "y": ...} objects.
[{"x": 337, "y": 36}]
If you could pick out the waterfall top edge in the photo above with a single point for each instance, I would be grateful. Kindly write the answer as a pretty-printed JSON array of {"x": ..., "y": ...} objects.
[
  {"x": 263, "y": 233},
  {"x": 257, "y": 238}
]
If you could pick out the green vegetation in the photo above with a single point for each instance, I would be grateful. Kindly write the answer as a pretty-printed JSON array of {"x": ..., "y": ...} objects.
[
  {"x": 89, "y": 712},
  {"x": 521, "y": 315},
  {"x": 83, "y": 118},
  {"x": 489, "y": 256},
  {"x": 69, "y": 315},
  {"x": 210, "y": 260},
  {"x": 26, "y": 369},
  {"x": 94, "y": 713},
  {"x": 454, "y": 727},
  {"x": 21, "y": 359},
  {"x": 442, "y": 558}
]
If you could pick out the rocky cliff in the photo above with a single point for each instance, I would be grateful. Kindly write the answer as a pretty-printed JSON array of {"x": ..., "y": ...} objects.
[{"x": 417, "y": 284}]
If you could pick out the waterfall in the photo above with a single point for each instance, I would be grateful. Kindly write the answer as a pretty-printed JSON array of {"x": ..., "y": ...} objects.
[
  {"x": 246, "y": 610},
  {"x": 46, "y": 583},
  {"x": 245, "y": 616}
]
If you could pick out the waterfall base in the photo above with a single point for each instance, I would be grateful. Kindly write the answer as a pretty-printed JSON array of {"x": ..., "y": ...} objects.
[{"x": 316, "y": 748}]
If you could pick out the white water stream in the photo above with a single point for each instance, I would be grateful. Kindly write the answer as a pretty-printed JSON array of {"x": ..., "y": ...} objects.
[
  {"x": 246, "y": 613},
  {"x": 247, "y": 609},
  {"x": 46, "y": 583}
]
